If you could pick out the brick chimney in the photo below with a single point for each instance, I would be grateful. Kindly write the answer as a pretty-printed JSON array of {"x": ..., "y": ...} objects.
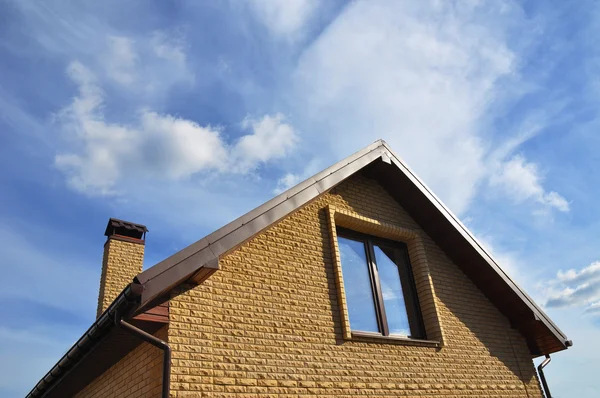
[{"x": 123, "y": 259}]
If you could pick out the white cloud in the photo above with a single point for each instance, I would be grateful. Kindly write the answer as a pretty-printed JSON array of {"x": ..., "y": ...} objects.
[
  {"x": 155, "y": 145},
  {"x": 178, "y": 147},
  {"x": 271, "y": 138},
  {"x": 121, "y": 60},
  {"x": 146, "y": 64},
  {"x": 286, "y": 182},
  {"x": 573, "y": 276},
  {"x": 172, "y": 61},
  {"x": 576, "y": 288},
  {"x": 95, "y": 168},
  {"x": 521, "y": 181},
  {"x": 284, "y": 18},
  {"x": 593, "y": 308},
  {"x": 169, "y": 48},
  {"x": 421, "y": 75},
  {"x": 290, "y": 179}
]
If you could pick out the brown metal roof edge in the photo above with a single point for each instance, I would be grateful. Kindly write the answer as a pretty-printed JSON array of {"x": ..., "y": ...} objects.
[
  {"x": 179, "y": 267},
  {"x": 470, "y": 238}
]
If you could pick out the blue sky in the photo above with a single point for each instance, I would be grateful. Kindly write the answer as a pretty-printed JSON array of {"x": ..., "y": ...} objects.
[{"x": 184, "y": 115}]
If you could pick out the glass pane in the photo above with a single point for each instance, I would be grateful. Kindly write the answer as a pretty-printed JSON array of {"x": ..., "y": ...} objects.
[
  {"x": 357, "y": 283},
  {"x": 391, "y": 290}
]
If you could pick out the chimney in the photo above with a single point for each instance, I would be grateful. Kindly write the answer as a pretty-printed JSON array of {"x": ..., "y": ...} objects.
[{"x": 122, "y": 261}]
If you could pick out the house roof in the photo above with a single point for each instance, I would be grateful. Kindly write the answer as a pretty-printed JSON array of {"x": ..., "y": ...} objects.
[
  {"x": 379, "y": 162},
  {"x": 198, "y": 261}
]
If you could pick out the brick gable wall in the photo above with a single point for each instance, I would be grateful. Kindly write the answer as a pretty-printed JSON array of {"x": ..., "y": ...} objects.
[{"x": 268, "y": 324}]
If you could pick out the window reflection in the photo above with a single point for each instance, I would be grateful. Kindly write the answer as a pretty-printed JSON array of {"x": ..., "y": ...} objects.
[
  {"x": 357, "y": 283},
  {"x": 391, "y": 290}
]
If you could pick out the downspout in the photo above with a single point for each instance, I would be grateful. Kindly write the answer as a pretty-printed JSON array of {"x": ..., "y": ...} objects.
[
  {"x": 540, "y": 369},
  {"x": 147, "y": 337}
]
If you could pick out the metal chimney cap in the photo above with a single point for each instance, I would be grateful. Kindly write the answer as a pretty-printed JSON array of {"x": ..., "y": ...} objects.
[{"x": 125, "y": 228}]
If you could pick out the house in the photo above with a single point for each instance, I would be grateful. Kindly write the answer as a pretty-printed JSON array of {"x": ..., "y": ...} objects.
[{"x": 357, "y": 281}]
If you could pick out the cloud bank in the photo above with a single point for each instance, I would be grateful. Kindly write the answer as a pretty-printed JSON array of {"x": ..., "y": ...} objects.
[
  {"x": 155, "y": 145},
  {"x": 426, "y": 77}
]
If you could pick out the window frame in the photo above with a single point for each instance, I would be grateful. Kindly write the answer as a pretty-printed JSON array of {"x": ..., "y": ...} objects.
[{"x": 407, "y": 281}]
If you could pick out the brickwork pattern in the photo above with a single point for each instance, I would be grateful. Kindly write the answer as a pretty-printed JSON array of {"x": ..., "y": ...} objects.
[
  {"x": 137, "y": 375},
  {"x": 268, "y": 323},
  {"x": 121, "y": 262}
]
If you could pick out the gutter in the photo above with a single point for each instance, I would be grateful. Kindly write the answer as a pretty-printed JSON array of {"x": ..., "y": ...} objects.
[
  {"x": 540, "y": 369},
  {"x": 125, "y": 302}
]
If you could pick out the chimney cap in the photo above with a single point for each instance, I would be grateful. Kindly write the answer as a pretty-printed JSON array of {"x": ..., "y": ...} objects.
[{"x": 125, "y": 228}]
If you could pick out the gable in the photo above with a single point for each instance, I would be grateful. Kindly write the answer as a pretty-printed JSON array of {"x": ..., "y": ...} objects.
[
  {"x": 270, "y": 318},
  {"x": 201, "y": 259}
]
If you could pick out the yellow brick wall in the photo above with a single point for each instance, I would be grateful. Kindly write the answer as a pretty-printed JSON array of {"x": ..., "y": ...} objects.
[
  {"x": 137, "y": 375},
  {"x": 268, "y": 323},
  {"x": 121, "y": 262}
]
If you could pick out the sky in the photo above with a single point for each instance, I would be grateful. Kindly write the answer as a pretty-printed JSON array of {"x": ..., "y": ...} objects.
[{"x": 184, "y": 115}]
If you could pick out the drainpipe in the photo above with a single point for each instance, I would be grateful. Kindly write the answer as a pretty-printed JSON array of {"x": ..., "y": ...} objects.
[
  {"x": 147, "y": 337},
  {"x": 542, "y": 377}
]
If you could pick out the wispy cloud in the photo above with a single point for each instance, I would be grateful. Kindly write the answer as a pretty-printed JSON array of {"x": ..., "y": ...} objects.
[
  {"x": 271, "y": 138},
  {"x": 576, "y": 288},
  {"x": 148, "y": 65},
  {"x": 285, "y": 19},
  {"x": 121, "y": 60},
  {"x": 288, "y": 180},
  {"x": 424, "y": 76},
  {"x": 521, "y": 180},
  {"x": 593, "y": 308}
]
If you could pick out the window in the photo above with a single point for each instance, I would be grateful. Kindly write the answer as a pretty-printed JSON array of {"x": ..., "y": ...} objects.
[{"x": 379, "y": 286}]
